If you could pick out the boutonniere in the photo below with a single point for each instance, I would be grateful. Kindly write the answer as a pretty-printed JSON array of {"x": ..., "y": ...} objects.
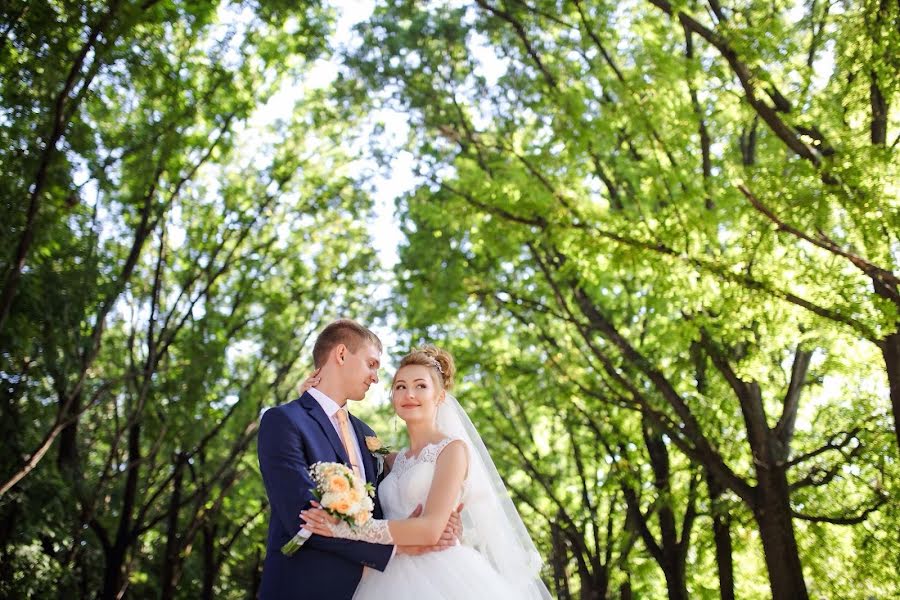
[
  {"x": 375, "y": 446},
  {"x": 379, "y": 451}
]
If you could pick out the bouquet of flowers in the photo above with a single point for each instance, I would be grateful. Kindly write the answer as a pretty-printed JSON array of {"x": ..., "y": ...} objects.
[{"x": 341, "y": 494}]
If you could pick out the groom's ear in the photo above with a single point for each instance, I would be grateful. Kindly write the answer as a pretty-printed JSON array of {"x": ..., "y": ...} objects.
[{"x": 340, "y": 353}]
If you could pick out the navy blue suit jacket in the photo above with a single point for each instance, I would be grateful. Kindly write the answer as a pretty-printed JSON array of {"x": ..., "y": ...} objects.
[{"x": 292, "y": 437}]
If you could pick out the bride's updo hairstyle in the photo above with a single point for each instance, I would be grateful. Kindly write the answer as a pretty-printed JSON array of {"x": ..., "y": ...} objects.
[{"x": 439, "y": 361}]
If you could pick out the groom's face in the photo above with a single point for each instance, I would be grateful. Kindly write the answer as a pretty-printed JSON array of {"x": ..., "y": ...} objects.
[{"x": 361, "y": 370}]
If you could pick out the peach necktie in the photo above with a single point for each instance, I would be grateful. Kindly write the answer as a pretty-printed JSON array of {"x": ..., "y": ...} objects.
[{"x": 344, "y": 423}]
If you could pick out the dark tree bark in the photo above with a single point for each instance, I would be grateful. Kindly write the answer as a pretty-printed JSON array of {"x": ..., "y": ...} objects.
[
  {"x": 171, "y": 570},
  {"x": 722, "y": 538},
  {"x": 67, "y": 458},
  {"x": 253, "y": 592},
  {"x": 879, "y": 112},
  {"x": 748, "y": 143},
  {"x": 890, "y": 350},
  {"x": 774, "y": 518},
  {"x": 114, "y": 569},
  {"x": 771, "y": 503},
  {"x": 210, "y": 565},
  {"x": 669, "y": 552},
  {"x": 559, "y": 558},
  {"x": 9, "y": 515}
]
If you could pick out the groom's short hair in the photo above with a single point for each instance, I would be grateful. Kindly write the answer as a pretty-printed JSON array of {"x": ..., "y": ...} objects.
[{"x": 346, "y": 332}]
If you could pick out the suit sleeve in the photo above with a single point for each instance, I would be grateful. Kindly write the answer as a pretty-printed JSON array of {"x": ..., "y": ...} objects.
[{"x": 285, "y": 472}]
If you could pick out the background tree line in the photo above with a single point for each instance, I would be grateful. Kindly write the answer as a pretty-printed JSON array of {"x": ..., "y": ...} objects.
[
  {"x": 163, "y": 264},
  {"x": 664, "y": 239},
  {"x": 660, "y": 238}
]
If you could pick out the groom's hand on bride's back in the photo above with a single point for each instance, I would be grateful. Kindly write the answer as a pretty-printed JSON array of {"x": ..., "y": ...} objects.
[{"x": 449, "y": 538}]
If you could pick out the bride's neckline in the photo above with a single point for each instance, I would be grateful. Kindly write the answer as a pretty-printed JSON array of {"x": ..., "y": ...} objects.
[{"x": 405, "y": 453}]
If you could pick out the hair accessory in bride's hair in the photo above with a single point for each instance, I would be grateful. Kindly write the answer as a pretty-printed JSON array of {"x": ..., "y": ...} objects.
[{"x": 437, "y": 365}]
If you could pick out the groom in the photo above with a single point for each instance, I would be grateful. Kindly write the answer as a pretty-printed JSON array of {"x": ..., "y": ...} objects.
[{"x": 317, "y": 428}]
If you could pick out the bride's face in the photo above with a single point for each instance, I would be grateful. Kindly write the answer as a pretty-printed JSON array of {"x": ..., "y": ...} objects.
[{"x": 415, "y": 395}]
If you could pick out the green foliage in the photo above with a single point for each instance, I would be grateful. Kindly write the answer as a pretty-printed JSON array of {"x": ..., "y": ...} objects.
[
  {"x": 613, "y": 197},
  {"x": 627, "y": 218},
  {"x": 177, "y": 261}
]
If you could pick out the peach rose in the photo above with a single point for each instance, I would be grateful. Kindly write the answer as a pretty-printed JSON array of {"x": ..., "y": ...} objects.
[{"x": 338, "y": 483}]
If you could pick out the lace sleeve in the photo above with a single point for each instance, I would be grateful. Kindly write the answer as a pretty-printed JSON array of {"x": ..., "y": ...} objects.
[
  {"x": 431, "y": 452},
  {"x": 375, "y": 531}
]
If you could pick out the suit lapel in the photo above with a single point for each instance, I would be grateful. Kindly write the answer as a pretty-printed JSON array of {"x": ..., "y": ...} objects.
[
  {"x": 317, "y": 413},
  {"x": 367, "y": 457}
]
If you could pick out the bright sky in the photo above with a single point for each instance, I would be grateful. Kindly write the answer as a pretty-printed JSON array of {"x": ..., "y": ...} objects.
[
  {"x": 388, "y": 184},
  {"x": 398, "y": 178}
]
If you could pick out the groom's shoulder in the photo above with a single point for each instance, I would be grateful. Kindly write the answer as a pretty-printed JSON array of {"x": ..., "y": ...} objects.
[{"x": 289, "y": 410}]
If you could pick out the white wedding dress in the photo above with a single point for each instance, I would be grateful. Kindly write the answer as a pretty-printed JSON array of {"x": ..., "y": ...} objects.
[{"x": 460, "y": 572}]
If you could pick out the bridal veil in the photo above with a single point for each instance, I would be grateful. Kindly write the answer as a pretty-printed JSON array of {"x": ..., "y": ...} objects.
[{"x": 491, "y": 522}]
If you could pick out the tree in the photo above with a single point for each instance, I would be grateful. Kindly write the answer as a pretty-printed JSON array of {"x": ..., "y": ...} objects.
[
  {"x": 610, "y": 178},
  {"x": 164, "y": 276}
]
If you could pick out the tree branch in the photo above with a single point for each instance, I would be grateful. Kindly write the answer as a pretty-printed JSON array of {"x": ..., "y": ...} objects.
[
  {"x": 876, "y": 273},
  {"x": 523, "y": 37},
  {"x": 748, "y": 82},
  {"x": 784, "y": 429}
]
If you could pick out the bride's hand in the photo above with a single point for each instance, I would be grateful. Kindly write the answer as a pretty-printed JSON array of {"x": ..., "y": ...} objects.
[
  {"x": 318, "y": 521},
  {"x": 311, "y": 381},
  {"x": 454, "y": 525}
]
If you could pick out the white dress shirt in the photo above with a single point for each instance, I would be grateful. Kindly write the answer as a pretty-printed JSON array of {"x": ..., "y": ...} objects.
[{"x": 331, "y": 407}]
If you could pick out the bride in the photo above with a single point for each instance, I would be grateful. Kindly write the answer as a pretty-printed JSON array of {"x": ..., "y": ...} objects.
[{"x": 446, "y": 463}]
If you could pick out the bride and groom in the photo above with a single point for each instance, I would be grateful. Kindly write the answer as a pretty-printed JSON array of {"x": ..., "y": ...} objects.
[{"x": 443, "y": 487}]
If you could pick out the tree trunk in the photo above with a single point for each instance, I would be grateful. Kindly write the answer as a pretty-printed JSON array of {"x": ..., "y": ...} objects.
[
  {"x": 9, "y": 516},
  {"x": 558, "y": 561},
  {"x": 113, "y": 573},
  {"x": 67, "y": 459},
  {"x": 722, "y": 539},
  {"x": 879, "y": 112},
  {"x": 113, "y": 576},
  {"x": 257, "y": 576},
  {"x": 625, "y": 592},
  {"x": 890, "y": 349},
  {"x": 776, "y": 528},
  {"x": 771, "y": 499},
  {"x": 676, "y": 582},
  {"x": 589, "y": 586},
  {"x": 210, "y": 567},
  {"x": 669, "y": 552},
  {"x": 84, "y": 580},
  {"x": 171, "y": 563}
]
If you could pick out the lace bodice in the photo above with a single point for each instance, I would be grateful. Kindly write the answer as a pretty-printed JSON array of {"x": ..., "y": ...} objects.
[{"x": 409, "y": 481}]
